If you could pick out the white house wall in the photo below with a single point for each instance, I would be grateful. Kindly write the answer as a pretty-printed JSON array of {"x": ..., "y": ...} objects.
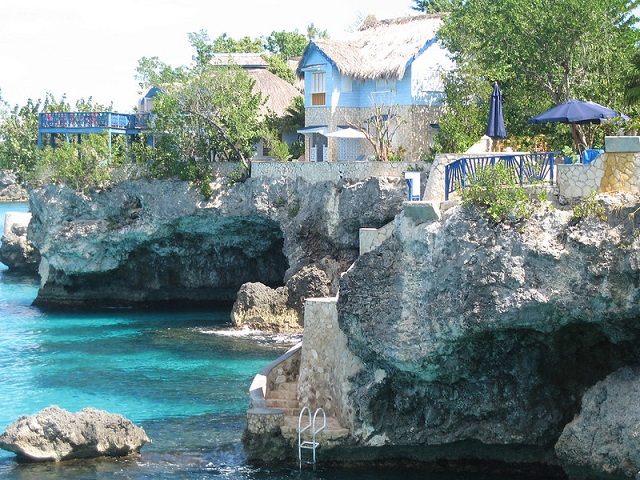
[{"x": 427, "y": 85}]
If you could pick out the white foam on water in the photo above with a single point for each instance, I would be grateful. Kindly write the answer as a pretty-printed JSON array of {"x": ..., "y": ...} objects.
[{"x": 258, "y": 335}]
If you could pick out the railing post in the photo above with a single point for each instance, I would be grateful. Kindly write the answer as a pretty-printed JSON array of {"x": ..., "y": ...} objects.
[
  {"x": 447, "y": 172},
  {"x": 551, "y": 165},
  {"x": 521, "y": 169},
  {"x": 463, "y": 168}
]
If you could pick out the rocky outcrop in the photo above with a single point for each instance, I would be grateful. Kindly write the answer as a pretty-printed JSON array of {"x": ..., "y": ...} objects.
[
  {"x": 10, "y": 189},
  {"x": 16, "y": 251},
  {"x": 282, "y": 309},
  {"x": 54, "y": 434},
  {"x": 146, "y": 242},
  {"x": 604, "y": 435},
  {"x": 480, "y": 340}
]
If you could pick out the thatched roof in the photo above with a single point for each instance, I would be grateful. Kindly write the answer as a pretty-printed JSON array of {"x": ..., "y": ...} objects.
[
  {"x": 381, "y": 49},
  {"x": 245, "y": 60},
  {"x": 278, "y": 92}
]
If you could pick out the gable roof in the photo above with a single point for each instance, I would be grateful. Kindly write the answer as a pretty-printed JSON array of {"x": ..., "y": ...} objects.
[{"x": 380, "y": 49}]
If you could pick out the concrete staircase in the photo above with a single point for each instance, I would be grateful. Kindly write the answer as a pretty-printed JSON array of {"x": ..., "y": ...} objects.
[{"x": 285, "y": 398}]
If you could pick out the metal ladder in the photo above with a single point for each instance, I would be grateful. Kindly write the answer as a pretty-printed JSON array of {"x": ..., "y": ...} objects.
[{"x": 313, "y": 443}]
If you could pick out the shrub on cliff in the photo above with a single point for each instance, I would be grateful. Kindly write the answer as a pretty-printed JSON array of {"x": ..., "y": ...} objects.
[
  {"x": 495, "y": 191},
  {"x": 78, "y": 165}
]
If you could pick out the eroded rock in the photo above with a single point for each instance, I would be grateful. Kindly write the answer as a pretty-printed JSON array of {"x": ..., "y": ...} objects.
[
  {"x": 16, "y": 251},
  {"x": 149, "y": 242},
  {"x": 474, "y": 332},
  {"x": 281, "y": 309},
  {"x": 54, "y": 434},
  {"x": 10, "y": 189},
  {"x": 604, "y": 435}
]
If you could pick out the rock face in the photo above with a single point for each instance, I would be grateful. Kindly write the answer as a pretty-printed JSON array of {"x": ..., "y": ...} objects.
[
  {"x": 10, "y": 189},
  {"x": 282, "y": 309},
  {"x": 16, "y": 251},
  {"x": 54, "y": 434},
  {"x": 604, "y": 436},
  {"x": 482, "y": 339},
  {"x": 145, "y": 242}
]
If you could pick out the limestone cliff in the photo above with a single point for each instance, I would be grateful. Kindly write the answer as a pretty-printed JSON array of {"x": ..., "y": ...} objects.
[
  {"x": 480, "y": 340},
  {"x": 147, "y": 242}
]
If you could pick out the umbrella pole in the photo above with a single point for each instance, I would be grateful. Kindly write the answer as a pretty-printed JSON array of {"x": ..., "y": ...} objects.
[{"x": 576, "y": 138}]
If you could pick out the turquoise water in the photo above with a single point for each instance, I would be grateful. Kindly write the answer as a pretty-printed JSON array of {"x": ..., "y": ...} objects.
[{"x": 179, "y": 375}]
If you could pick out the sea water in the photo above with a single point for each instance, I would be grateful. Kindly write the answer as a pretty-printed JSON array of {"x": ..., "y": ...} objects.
[{"x": 181, "y": 375}]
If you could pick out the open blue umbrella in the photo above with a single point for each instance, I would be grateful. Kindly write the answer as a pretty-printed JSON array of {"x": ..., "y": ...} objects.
[
  {"x": 575, "y": 111},
  {"x": 495, "y": 125}
]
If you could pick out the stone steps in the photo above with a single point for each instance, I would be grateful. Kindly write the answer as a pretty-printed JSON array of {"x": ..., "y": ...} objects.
[
  {"x": 285, "y": 397},
  {"x": 333, "y": 430}
]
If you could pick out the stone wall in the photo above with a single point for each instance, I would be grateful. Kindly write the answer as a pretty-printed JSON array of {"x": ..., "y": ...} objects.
[
  {"x": 608, "y": 173},
  {"x": 435, "y": 185},
  {"x": 317, "y": 172},
  {"x": 370, "y": 238},
  {"x": 326, "y": 364}
]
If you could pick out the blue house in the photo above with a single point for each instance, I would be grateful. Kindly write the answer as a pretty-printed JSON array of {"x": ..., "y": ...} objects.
[{"x": 387, "y": 71}]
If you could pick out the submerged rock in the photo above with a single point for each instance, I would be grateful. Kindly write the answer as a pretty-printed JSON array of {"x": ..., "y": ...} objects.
[{"x": 54, "y": 434}]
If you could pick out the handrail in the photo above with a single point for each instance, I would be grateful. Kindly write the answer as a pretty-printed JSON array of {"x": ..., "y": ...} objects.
[
  {"x": 527, "y": 167},
  {"x": 313, "y": 443}
]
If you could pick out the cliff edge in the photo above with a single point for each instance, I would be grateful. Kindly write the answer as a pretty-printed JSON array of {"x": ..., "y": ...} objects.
[
  {"x": 484, "y": 338},
  {"x": 142, "y": 243}
]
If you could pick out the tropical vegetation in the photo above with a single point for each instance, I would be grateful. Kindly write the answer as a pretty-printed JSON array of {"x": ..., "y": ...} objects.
[
  {"x": 203, "y": 113},
  {"x": 542, "y": 53}
]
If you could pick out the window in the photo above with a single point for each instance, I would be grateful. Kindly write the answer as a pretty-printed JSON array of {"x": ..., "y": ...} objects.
[
  {"x": 318, "y": 95},
  {"x": 385, "y": 85},
  {"x": 346, "y": 84}
]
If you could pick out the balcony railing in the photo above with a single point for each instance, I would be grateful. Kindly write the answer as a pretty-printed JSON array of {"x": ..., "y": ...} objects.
[
  {"x": 79, "y": 120},
  {"x": 527, "y": 168}
]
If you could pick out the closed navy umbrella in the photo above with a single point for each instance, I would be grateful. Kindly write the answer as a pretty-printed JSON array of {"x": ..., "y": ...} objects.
[{"x": 495, "y": 125}]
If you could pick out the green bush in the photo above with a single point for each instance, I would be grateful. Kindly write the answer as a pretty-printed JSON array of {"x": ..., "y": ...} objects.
[
  {"x": 77, "y": 165},
  {"x": 494, "y": 190},
  {"x": 589, "y": 207}
]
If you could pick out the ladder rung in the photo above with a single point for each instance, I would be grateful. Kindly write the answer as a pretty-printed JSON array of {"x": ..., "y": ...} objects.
[{"x": 309, "y": 444}]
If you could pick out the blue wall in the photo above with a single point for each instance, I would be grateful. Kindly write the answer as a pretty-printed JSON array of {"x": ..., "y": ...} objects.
[{"x": 362, "y": 94}]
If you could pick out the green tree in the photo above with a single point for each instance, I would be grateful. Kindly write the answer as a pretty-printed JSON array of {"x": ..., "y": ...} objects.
[
  {"x": 314, "y": 32},
  {"x": 435, "y": 6},
  {"x": 19, "y": 138},
  {"x": 226, "y": 44},
  {"x": 540, "y": 54},
  {"x": 210, "y": 115},
  {"x": 78, "y": 165},
  {"x": 632, "y": 95},
  {"x": 279, "y": 67},
  {"x": 286, "y": 44}
]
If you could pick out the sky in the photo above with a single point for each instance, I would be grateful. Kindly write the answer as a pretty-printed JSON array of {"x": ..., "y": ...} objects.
[{"x": 84, "y": 48}]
